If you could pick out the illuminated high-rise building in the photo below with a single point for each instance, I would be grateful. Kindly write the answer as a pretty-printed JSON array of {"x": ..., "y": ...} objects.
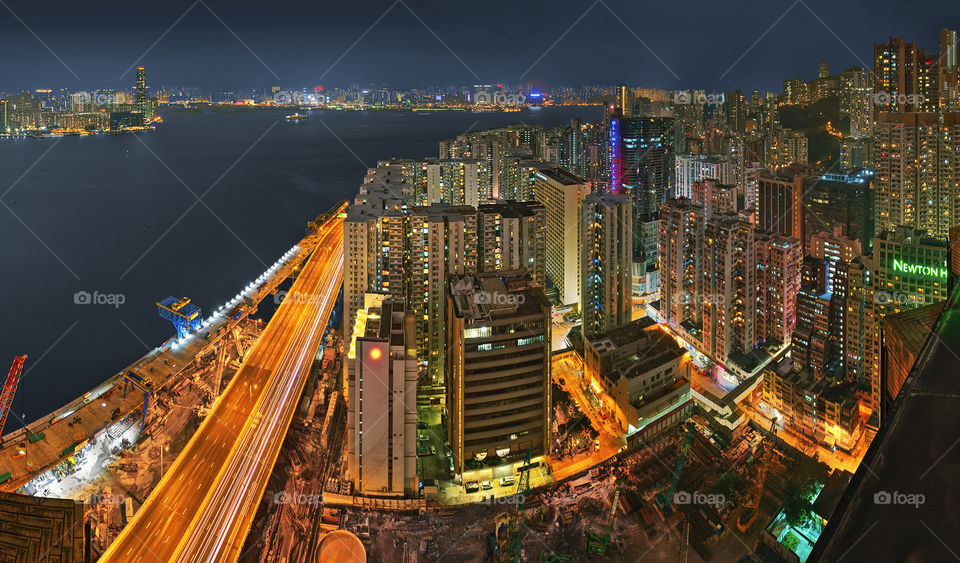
[
  {"x": 894, "y": 75},
  {"x": 442, "y": 242},
  {"x": 642, "y": 160},
  {"x": 382, "y": 402},
  {"x": 780, "y": 202},
  {"x": 140, "y": 96},
  {"x": 823, "y": 69},
  {"x": 909, "y": 270},
  {"x": 856, "y": 100},
  {"x": 949, "y": 71},
  {"x": 681, "y": 257},
  {"x": 778, "y": 280},
  {"x": 917, "y": 181},
  {"x": 561, "y": 194},
  {"x": 692, "y": 168},
  {"x": 408, "y": 255},
  {"x": 729, "y": 286},
  {"x": 513, "y": 235},
  {"x": 499, "y": 389},
  {"x": 606, "y": 299}
]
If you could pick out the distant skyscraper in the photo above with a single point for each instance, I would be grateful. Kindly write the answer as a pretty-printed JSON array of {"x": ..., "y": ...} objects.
[
  {"x": 140, "y": 99},
  {"x": 949, "y": 71},
  {"x": 895, "y": 80},
  {"x": 856, "y": 100},
  {"x": 624, "y": 100},
  {"x": 607, "y": 298},
  {"x": 823, "y": 69}
]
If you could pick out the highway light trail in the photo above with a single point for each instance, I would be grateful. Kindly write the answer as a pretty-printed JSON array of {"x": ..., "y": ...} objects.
[{"x": 203, "y": 506}]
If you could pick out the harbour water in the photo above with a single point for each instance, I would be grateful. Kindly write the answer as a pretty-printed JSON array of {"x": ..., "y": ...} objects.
[{"x": 100, "y": 227}]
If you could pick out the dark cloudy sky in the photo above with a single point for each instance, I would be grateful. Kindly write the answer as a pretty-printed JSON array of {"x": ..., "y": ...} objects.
[{"x": 668, "y": 43}]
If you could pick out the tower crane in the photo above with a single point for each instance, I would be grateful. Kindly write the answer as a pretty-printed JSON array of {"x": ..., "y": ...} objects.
[
  {"x": 664, "y": 498},
  {"x": 9, "y": 388}
]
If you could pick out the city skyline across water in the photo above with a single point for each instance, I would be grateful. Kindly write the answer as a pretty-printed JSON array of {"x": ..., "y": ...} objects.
[{"x": 100, "y": 203}]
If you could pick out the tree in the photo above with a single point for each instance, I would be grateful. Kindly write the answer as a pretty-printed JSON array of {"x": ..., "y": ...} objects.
[{"x": 800, "y": 490}]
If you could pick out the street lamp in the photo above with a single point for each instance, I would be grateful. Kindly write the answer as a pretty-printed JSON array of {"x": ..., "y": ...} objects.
[{"x": 167, "y": 448}]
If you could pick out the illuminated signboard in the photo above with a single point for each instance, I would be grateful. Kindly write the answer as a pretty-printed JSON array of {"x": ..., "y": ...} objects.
[{"x": 919, "y": 269}]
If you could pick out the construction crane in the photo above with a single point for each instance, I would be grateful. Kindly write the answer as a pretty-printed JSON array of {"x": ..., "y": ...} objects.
[
  {"x": 513, "y": 534},
  {"x": 184, "y": 315},
  {"x": 598, "y": 543},
  {"x": 144, "y": 384},
  {"x": 9, "y": 388},
  {"x": 664, "y": 499}
]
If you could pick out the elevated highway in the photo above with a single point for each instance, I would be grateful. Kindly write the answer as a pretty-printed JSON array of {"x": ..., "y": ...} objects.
[{"x": 204, "y": 504}]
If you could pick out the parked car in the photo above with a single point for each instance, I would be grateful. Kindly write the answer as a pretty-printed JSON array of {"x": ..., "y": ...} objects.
[
  {"x": 472, "y": 486},
  {"x": 507, "y": 481},
  {"x": 596, "y": 445},
  {"x": 486, "y": 485}
]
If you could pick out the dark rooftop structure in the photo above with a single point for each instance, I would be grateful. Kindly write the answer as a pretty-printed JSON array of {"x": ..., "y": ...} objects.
[
  {"x": 562, "y": 176},
  {"x": 903, "y": 503},
  {"x": 39, "y": 529},
  {"x": 512, "y": 208}
]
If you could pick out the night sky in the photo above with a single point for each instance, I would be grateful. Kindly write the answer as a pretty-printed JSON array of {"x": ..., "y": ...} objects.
[{"x": 299, "y": 43}]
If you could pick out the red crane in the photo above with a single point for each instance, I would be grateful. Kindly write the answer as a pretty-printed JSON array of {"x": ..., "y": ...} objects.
[{"x": 9, "y": 388}]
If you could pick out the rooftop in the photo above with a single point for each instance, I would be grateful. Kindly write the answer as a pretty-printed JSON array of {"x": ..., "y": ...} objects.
[
  {"x": 511, "y": 208},
  {"x": 561, "y": 176},
  {"x": 901, "y": 503},
  {"x": 488, "y": 296}
]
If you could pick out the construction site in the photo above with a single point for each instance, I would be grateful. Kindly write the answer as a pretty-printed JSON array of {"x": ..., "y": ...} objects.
[
  {"x": 115, "y": 473},
  {"x": 686, "y": 495}
]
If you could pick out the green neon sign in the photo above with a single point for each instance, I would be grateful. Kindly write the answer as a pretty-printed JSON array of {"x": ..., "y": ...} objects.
[{"x": 919, "y": 269}]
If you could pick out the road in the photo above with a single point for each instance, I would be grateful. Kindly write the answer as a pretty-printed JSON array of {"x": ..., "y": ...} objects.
[
  {"x": 611, "y": 437},
  {"x": 202, "y": 508}
]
